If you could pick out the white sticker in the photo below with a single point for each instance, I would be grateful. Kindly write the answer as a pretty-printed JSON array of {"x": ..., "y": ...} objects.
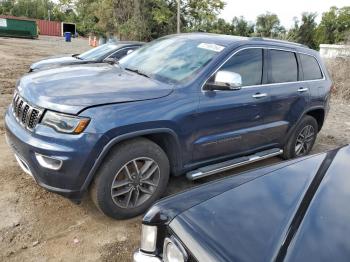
[
  {"x": 3, "y": 22},
  {"x": 212, "y": 47}
]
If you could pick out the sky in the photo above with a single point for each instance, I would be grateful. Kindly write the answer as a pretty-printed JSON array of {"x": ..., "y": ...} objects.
[{"x": 285, "y": 10}]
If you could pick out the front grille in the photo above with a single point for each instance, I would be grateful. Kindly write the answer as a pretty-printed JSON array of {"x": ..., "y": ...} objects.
[{"x": 27, "y": 115}]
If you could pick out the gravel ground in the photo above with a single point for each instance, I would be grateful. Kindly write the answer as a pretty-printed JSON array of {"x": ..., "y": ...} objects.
[{"x": 39, "y": 226}]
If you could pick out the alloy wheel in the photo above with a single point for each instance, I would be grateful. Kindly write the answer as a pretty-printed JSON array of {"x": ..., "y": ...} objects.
[
  {"x": 304, "y": 140},
  {"x": 135, "y": 182}
]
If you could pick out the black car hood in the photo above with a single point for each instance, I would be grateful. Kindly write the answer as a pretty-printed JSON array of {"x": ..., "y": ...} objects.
[
  {"x": 56, "y": 61},
  {"x": 247, "y": 217},
  {"x": 71, "y": 89}
]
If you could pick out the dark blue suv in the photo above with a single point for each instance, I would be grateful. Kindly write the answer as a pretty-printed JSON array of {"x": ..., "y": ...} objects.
[{"x": 194, "y": 104}]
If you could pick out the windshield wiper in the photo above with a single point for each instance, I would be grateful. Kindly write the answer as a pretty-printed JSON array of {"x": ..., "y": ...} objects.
[
  {"x": 77, "y": 56},
  {"x": 137, "y": 72}
]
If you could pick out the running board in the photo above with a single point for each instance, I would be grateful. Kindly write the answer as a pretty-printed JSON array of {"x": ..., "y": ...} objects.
[{"x": 233, "y": 163}]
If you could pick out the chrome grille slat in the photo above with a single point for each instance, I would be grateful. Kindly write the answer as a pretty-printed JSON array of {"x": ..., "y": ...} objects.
[
  {"x": 19, "y": 109},
  {"x": 27, "y": 115},
  {"x": 24, "y": 113}
]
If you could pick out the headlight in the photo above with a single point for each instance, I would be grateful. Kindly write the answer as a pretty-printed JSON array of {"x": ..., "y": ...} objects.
[
  {"x": 173, "y": 251},
  {"x": 65, "y": 123},
  {"x": 148, "y": 238}
]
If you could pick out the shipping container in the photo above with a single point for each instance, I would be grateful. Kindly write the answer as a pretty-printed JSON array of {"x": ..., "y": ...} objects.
[
  {"x": 18, "y": 27},
  {"x": 51, "y": 28},
  {"x": 69, "y": 27}
]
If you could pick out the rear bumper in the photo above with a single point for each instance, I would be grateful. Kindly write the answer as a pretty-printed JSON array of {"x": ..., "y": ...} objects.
[{"x": 77, "y": 153}]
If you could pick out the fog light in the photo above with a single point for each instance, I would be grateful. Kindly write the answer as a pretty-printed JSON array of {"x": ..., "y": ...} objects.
[
  {"x": 148, "y": 238},
  {"x": 173, "y": 251},
  {"x": 48, "y": 162}
]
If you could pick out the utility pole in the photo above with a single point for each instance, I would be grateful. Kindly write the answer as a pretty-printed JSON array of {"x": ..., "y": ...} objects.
[{"x": 178, "y": 16}]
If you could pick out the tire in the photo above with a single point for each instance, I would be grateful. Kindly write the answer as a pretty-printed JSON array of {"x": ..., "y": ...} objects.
[
  {"x": 138, "y": 166},
  {"x": 296, "y": 142}
]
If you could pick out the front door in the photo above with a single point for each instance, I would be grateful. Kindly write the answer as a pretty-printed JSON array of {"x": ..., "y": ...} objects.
[{"x": 229, "y": 122}]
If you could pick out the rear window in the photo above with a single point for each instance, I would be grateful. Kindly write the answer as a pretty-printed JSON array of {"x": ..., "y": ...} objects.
[
  {"x": 284, "y": 67},
  {"x": 311, "y": 68}
]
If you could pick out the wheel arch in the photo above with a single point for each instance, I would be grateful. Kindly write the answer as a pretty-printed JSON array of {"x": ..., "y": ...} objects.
[
  {"x": 316, "y": 112},
  {"x": 166, "y": 138}
]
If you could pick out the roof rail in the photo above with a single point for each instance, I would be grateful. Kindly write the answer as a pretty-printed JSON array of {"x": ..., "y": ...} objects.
[{"x": 255, "y": 38}]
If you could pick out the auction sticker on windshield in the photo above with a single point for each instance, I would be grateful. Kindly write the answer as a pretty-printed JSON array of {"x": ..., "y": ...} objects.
[{"x": 212, "y": 47}]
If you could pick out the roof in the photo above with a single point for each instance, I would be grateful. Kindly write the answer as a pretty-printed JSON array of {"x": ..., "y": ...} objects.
[{"x": 228, "y": 40}]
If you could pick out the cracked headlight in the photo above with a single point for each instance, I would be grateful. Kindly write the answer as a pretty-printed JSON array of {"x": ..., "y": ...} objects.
[{"x": 65, "y": 123}]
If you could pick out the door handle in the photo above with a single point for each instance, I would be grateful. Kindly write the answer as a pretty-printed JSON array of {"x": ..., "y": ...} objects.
[
  {"x": 259, "y": 95},
  {"x": 303, "y": 89}
]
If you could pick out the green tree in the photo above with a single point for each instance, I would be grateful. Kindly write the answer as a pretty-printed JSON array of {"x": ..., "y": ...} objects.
[
  {"x": 327, "y": 29},
  {"x": 6, "y": 6},
  {"x": 199, "y": 15},
  {"x": 242, "y": 27},
  {"x": 268, "y": 25},
  {"x": 334, "y": 26},
  {"x": 220, "y": 26},
  {"x": 306, "y": 33},
  {"x": 292, "y": 34}
]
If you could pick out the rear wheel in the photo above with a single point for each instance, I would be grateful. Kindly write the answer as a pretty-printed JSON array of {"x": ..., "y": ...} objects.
[
  {"x": 131, "y": 179},
  {"x": 302, "y": 140}
]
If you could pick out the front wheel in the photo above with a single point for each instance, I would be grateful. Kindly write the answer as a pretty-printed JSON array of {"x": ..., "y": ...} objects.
[
  {"x": 302, "y": 140},
  {"x": 132, "y": 178}
]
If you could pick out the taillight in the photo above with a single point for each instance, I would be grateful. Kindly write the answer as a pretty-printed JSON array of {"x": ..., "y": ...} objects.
[{"x": 333, "y": 88}]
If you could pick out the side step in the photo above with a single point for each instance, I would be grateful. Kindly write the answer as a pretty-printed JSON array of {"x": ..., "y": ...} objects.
[{"x": 233, "y": 163}]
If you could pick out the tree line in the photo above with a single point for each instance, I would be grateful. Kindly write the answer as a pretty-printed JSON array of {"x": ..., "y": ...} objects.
[{"x": 149, "y": 19}]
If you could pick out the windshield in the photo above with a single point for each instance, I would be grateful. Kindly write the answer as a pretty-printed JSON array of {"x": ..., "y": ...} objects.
[
  {"x": 98, "y": 52},
  {"x": 173, "y": 59}
]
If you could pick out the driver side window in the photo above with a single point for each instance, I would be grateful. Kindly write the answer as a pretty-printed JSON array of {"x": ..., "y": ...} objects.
[{"x": 248, "y": 64}]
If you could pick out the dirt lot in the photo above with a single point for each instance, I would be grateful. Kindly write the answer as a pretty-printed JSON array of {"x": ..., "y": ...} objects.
[{"x": 39, "y": 226}]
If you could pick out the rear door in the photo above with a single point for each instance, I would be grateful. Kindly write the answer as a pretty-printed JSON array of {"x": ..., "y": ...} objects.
[
  {"x": 289, "y": 96},
  {"x": 313, "y": 74},
  {"x": 230, "y": 122}
]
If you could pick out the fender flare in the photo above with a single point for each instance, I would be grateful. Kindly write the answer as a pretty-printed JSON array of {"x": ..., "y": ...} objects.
[
  {"x": 291, "y": 130},
  {"x": 106, "y": 149}
]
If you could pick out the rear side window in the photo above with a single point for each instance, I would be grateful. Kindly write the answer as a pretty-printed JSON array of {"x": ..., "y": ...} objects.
[
  {"x": 248, "y": 63},
  {"x": 284, "y": 67},
  {"x": 311, "y": 68}
]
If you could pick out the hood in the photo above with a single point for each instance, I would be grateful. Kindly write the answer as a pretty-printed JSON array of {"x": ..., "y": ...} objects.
[
  {"x": 55, "y": 61},
  {"x": 250, "y": 221},
  {"x": 170, "y": 207},
  {"x": 71, "y": 89}
]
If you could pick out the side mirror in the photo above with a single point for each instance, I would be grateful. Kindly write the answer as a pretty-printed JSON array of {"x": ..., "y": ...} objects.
[
  {"x": 129, "y": 51},
  {"x": 110, "y": 60},
  {"x": 225, "y": 80}
]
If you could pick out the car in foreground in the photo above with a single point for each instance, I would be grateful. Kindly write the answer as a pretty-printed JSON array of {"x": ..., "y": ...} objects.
[
  {"x": 195, "y": 104},
  {"x": 110, "y": 52},
  {"x": 293, "y": 211}
]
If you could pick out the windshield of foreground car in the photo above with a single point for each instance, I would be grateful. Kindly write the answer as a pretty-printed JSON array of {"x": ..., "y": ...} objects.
[
  {"x": 173, "y": 60},
  {"x": 97, "y": 52}
]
